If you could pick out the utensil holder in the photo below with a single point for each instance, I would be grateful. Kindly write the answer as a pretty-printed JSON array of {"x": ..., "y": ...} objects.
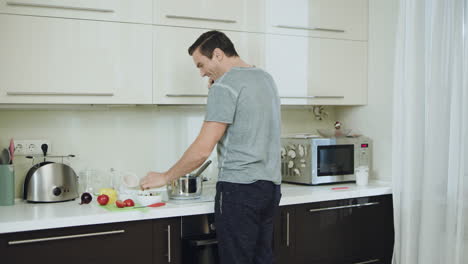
[{"x": 7, "y": 185}]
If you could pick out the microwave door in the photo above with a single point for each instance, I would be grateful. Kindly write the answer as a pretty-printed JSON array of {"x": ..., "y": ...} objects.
[
  {"x": 334, "y": 163},
  {"x": 335, "y": 160}
]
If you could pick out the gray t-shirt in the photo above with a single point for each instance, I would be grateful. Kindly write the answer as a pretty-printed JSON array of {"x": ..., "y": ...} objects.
[{"x": 247, "y": 99}]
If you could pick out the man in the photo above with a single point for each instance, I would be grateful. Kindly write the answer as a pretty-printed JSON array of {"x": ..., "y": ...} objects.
[{"x": 243, "y": 118}]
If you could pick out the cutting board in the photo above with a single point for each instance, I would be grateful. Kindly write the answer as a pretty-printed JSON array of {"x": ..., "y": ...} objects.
[{"x": 114, "y": 208}]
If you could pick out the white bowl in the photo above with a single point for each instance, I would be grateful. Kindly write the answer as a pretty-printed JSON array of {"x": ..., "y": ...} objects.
[
  {"x": 334, "y": 132},
  {"x": 147, "y": 199}
]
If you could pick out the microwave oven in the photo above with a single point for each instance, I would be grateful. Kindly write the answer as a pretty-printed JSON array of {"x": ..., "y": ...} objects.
[{"x": 314, "y": 160}]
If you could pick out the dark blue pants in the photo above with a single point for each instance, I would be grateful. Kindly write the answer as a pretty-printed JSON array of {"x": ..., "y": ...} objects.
[{"x": 244, "y": 215}]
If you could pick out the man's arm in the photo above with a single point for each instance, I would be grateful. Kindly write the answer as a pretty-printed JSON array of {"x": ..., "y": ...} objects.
[{"x": 194, "y": 156}]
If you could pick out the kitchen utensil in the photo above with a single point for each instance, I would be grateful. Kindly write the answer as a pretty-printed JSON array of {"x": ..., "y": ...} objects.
[
  {"x": 151, "y": 205},
  {"x": 144, "y": 199},
  {"x": 202, "y": 168},
  {"x": 334, "y": 132},
  {"x": 12, "y": 150},
  {"x": 188, "y": 186},
  {"x": 185, "y": 187},
  {"x": 5, "y": 156}
]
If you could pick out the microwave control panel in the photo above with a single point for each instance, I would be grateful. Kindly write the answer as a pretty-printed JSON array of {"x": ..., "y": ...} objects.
[{"x": 364, "y": 154}]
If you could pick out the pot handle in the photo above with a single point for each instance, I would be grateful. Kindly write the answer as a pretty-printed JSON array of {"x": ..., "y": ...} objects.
[{"x": 199, "y": 171}]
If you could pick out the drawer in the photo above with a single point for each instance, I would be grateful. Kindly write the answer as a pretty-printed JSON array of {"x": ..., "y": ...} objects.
[
  {"x": 128, "y": 242},
  {"x": 108, "y": 10}
]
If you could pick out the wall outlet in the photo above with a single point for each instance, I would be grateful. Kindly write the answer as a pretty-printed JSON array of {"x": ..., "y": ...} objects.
[{"x": 31, "y": 147}]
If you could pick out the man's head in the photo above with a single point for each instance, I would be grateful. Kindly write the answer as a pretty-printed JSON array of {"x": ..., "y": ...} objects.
[{"x": 211, "y": 52}]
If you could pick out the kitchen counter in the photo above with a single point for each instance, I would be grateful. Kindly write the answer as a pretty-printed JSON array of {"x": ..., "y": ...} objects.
[{"x": 27, "y": 217}]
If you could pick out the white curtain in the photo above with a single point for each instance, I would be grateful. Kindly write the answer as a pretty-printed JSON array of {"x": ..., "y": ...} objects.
[{"x": 430, "y": 153}]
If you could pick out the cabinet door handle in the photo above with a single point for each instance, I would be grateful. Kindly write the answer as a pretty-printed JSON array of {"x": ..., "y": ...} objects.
[
  {"x": 61, "y": 93},
  {"x": 202, "y": 19},
  {"x": 368, "y": 261},
  {"x": 313, "y": 96},
  {"x": 168, "y": 243},
  {"x": 27, "y": 4},
  {"x": 343, "y": 207},
  {"x": 186, "y": 95},
  {"x": 27, "y": 241},
  {"x": 315, "y": 28},
  {"x": 287, "y": 229}
]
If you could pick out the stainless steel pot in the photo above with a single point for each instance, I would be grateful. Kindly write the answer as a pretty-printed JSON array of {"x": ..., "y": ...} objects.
[{"x": 188, "y": 186}]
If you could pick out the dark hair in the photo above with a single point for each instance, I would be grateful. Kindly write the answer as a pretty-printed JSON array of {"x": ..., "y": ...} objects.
[{"x": 211, "y": 40}]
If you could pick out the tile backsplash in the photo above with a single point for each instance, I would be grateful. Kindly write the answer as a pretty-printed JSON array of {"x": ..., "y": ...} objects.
[{"x": 128, "y": 138}]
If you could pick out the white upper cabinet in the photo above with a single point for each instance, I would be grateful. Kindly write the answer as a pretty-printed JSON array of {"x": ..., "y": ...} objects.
[
  {"x": 314, "y": 71},
  {"x": 176, "y": 79},
  {"x": 339, "y": 19},
  {"x": 244, "y": 15},
  {"x": 136, "y": 52},
  {"x": 60, "y": 61},
  {"x": 108, "y": 10}
]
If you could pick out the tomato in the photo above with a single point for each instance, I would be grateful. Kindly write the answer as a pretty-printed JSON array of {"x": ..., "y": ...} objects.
[
  {"x": 129, "y": 202},
  {"x": 109, "y": 192},
  {"x": 120, "y": 204},
  {"x": 103, "y": 199}
]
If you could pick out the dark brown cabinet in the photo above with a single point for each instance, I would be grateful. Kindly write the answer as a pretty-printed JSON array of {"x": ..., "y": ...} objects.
[
  {"x": 284, "y": 239},
  {"x": 127, "y": 242},
  {"x": 358, "y": 230},
  {"x": 348, "y": 231},
  {"x": 149, "y": 241},
  {"x": 166, "y": 241}
]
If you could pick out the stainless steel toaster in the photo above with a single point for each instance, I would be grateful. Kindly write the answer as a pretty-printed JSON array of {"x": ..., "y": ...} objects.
[{"x": 48, "y": 182}]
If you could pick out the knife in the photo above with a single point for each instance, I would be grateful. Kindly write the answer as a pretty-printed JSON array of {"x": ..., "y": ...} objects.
[{"x": 151, "y": 205}]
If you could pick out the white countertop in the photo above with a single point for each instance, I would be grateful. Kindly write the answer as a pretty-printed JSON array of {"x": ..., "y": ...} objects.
[{"x": 27, "y": 217}]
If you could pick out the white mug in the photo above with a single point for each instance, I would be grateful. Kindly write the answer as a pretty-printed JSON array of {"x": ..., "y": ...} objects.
[{"x": 362, "y": 175}]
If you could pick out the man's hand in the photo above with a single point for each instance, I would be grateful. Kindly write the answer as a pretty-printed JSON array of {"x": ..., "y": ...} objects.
[{"x": 153, "y": 180}]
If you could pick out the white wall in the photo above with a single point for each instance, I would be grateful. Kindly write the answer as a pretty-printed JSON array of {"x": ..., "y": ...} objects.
[
  {"x": 375, "y": 119},
  {"x": 136, "y": 139}
]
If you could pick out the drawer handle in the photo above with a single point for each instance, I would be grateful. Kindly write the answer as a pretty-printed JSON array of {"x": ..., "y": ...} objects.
[
  {"x": 202, "y": 19},
  {"x": 26, "y": 4},
  {"x": 186, "y": 95},
  {"x": 59, "y": 93},
  {"x": 368, "y": 261},
  {"x": 28, "y": 241},
  {"x": 343, "y": 207},
  {"x": 313, "y": 96},
  {"x": 316, "y": 28}
]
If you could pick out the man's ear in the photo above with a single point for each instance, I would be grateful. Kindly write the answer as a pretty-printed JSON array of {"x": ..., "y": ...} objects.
[{"x": 218, "y": 54}]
